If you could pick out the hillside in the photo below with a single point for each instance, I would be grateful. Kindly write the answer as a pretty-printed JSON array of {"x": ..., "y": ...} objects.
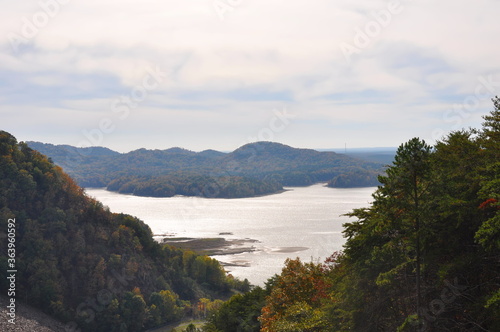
[
  {"x": 88, "y": 267},
  {"x": 63, "y": 151},
  {"x": 253, "y": 169}
]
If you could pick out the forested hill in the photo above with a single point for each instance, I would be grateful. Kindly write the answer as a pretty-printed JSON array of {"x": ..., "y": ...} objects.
[
  {"x": 253, "y": 169},
  {"x": 62, "y": 151},
  {"x": 88, "y": 267}
]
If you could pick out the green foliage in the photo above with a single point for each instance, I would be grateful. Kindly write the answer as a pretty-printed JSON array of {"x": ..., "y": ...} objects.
[
  {"x": 423, "y": 257},
  {"x": 300, "y": 316},
  {"x": 192, "y": 328},
  {"x": 419, "y": 234},
  {"x": 164, "y": 307},
  {"x": 79, "y": 262},
  {"x": 240, "y": 313},
  {"x": 194, "y": 185},
  {"x": 357, "y": 177}
]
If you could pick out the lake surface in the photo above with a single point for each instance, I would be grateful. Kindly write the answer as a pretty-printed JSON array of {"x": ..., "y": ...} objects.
[{"x": 303, "y": 222}]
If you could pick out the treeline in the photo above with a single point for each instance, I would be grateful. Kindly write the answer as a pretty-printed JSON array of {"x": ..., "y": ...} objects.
[
  {"x": 86, "y": 266},
  {"x": 425, "y": 256},
  {"x": 269, "y": 166},
  {"x": 355, "y": 177},
  {"x": 194, "y": 185}
]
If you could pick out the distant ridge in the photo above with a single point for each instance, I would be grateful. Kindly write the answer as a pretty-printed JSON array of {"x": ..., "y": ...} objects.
[
  {"x": 364, "y": 150},
  {"x": 212, "y": 153},
  {"x": 63, "y": 150},
  {"x": 252, "y": 169},
  {"x": 384, "y": 155},
  {"x": 179, "y": 150}
]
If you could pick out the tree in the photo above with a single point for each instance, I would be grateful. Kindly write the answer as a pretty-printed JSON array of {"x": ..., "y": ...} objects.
[
  {"x": 134, "y": 311},
  {"x": 491, "y": 128},
  {"x": 240, "y": 313},
  {"x": 489, "y": 233},
  {"x": 165, "y": 303},
  {"x": 408, "y": 182},
  {"x": 383, "y": 252},
  {"x": 295, "y": 298}
]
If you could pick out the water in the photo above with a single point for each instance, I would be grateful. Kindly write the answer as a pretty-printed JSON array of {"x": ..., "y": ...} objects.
[{"x": 300, "y": 222}]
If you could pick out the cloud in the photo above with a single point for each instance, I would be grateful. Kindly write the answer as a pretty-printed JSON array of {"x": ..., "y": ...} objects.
[{"x": 225, "y": 72}]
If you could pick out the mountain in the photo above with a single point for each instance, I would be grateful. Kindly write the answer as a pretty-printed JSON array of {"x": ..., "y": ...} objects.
[
  {"x": 88, "y": 267},
  {"x": 64, "y": 150},
  {"x": 269, "y": 157},
  {"x": 212, "y": 153},
  {"x": 178, "y": 150},
  {"x": 253, "y": 169}
]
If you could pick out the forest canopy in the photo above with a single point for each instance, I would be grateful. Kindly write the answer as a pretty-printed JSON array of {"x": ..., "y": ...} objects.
[
  {"x": 88, "y": 267},
  {"x": 425, "y": 256}
]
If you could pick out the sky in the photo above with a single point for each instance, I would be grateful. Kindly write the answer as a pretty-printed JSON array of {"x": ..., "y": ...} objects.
[{"x": 217, "y": 74}]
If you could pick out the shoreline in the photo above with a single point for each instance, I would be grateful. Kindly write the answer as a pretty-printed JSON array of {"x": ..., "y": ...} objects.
[
  {"x": 252, "y": 196},
  {"x": 217, "y": 246}
]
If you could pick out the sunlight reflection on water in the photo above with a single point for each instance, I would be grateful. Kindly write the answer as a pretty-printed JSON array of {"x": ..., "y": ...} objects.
[{"x": 302, "y": 222}]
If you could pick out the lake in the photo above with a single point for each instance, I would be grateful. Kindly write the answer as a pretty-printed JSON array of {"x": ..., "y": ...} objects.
[{"x": 303, "y": 222}]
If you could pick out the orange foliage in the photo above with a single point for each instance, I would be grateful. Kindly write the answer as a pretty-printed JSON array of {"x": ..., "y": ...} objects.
[
  {"x": 298, "y": 282},
  {"x": 490, "y": 202}
]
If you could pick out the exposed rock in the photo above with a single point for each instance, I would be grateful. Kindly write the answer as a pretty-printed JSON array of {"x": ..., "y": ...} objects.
[{"x": 27, "y": 319}]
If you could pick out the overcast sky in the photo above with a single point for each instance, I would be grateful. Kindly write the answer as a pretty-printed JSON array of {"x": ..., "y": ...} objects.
[{"x": 218, "y": 74}]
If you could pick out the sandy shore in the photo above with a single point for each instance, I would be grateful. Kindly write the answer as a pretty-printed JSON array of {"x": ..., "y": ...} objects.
[
  {"x": 220, "y": 246},
  {"x": 212, "y": 246},
  {"x": 288, "y": 250}
]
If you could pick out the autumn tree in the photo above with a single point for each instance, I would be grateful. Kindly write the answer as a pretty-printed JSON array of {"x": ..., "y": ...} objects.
[{"x": 295, "y": 299}]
